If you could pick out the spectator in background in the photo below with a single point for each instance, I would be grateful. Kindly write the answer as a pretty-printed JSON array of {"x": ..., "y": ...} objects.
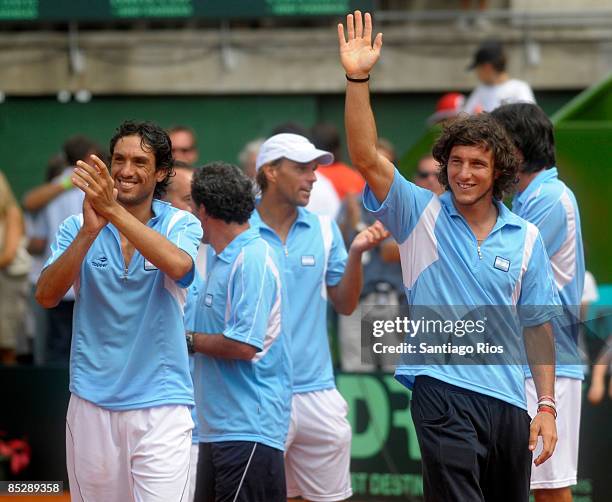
[
  {"x": 178, "y": 192},
  {"x": 57, "y": 177},
  {"x": 344, "y": 178},
  {"x": 448, "y": 106},
  {"x": 496, "y": 88},
  {"x": 248, "y": 157},
  {"x": 603, "y": 361},
  {"x": 184, "y": 145},
  {"x": 14, "y": 268},
  {"x": 324, "y": 200},
  {"x": 36, "y": 320},
  {"x": 67, "y": 202},
  {"x": 426, "y": 174},
  {"x": 602, "y": 365}
]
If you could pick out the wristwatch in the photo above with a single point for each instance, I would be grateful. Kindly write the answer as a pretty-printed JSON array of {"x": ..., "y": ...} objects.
[{"x": 189, "y": 340}]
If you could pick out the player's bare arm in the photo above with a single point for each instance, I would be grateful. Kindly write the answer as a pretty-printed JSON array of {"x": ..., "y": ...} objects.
[
  {"x": 57, "y": 278},
  {"x": 358, "y": 56},
  {"x": 345, "y": 295},
  {"x": 218, "y": 345},
  {"x": 98, "y": 186},
  {"x": 540, "y": 349}
]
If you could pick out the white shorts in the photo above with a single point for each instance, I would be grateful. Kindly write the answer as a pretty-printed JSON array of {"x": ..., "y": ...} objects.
[
  {"x": 193, "y": 470},
  {"x": 127, "y": 456},
  {"x": 318, "y": 447},
  {"x": 560, "y": 470}
]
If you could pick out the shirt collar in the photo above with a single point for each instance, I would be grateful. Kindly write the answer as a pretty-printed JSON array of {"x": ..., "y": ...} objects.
[
  {"x": 504, "y": 216},
  {"x": 302, "y": 219},
  {"x": 544, "y": 176},
  {"x": 231, "y": 251},
  {"x": 158, "y": 207}
]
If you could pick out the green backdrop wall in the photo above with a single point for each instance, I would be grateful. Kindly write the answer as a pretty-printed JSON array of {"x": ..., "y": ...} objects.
[{"x": 32, "y": 129}]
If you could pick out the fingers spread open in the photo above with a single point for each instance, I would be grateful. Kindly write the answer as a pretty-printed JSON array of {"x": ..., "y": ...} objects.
[
  {"x": 367, "y": 33},
  {"x": 341, "y": 38},
  {"x": 358, "y": 24},
  {"x": 350, "y": 27}
]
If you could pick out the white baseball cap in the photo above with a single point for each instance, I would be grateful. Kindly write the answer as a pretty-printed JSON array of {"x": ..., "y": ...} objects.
[{"x": 293, "y": 147}]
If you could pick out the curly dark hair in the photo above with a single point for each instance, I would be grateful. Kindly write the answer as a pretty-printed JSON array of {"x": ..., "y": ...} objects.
[
  {"x": 479, "y": 130},
  {"x": 225, "y": 192},
  {"x": 152, "y": 139},
  {"x": 532, "y": 132}
]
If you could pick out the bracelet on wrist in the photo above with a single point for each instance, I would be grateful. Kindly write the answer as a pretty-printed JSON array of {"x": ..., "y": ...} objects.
[
  {"x": 189, "y": 341},
  {"x": 65, "y": 182},
  {"x": 546, "y": 398},
  {"x": 547, "y": 409},
  {"x": 357, "y": 80}
]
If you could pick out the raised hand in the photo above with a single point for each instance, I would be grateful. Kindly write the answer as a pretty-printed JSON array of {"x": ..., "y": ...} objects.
[
  {"x": 98, "y": 186},
  {"x": 369, "y": 238},
  {"x": 357, "y": 55},
  {"x": 92, "y": 221}
]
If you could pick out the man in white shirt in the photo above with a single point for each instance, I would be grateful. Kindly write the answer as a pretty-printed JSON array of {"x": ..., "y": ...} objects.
[{"x": 496, "y": 87}]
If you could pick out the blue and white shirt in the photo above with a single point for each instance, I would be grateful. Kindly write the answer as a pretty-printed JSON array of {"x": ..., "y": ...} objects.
[
  {"x": 191, "y": 306},
  {"x": 128, "y": 338},
  {"x": 241, "y": 297},
  {"x": 550, "y": 205},
  {"x": 312, "y": 258},
  {"x": 442, "y": 265}
]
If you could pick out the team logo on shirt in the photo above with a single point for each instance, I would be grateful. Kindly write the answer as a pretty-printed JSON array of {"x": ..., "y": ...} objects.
[
  {"x": 308, "y": 261},
  {"x": 100, "y": 262},
  {"x": 208, "y": 300},
  {"x": 149, "y": 266},
  {"x": 501, "y": 264}
]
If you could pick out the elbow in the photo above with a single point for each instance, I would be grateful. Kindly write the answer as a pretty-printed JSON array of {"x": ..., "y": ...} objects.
[
  {"x": 45, "y": 300},
  {"x": 181, "y": 269},
  {"x": 247, "y": 352},
  {"x": 347, "y": 308}
]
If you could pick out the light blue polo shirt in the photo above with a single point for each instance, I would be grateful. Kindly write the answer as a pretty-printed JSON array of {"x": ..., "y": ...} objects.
[
  {"x": 442, "y": 266},
  {"x": 128, "y": 338},
  {"x": 312, "y": 258},
  {"x": 241, "y": 297},
  {"x": 551, "y": 206},
  {"x": 190, "y": 309}
]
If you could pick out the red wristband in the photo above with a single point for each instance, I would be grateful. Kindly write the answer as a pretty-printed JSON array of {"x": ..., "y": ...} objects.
[{"x": 547, "y": 409}]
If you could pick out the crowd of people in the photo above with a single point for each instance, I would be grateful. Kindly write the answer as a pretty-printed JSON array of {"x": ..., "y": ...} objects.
[{"x": 192, "y": 303}]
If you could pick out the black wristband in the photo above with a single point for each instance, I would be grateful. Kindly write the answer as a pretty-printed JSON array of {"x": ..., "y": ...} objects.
[
  {"x": 190, "y": 343},
  {"x": 357, "y": 80}
]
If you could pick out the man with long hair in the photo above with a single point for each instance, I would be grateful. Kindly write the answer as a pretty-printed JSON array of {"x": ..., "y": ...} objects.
[{"x": 130, "y": 256}]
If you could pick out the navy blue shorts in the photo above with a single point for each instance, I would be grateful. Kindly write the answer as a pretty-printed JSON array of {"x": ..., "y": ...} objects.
[
  {"x": 240, "y": 471},
  {"x": 473, "y": 447}
]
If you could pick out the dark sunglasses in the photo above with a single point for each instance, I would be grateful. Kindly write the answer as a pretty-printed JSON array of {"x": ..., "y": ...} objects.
[
  {"x": 184, "y": 149},
  {"x": 424, "y": 174}
]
